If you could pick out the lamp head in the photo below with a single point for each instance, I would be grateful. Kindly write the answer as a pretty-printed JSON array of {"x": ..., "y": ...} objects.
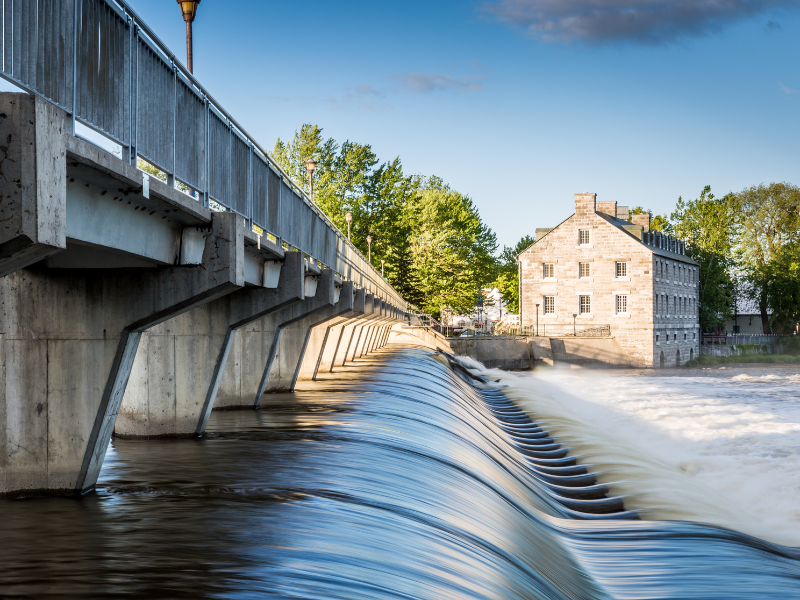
[
  {"x": 189, "y": 9},
  {"x": 369, "y": 239},
  {"x": 311, "y": 164}
]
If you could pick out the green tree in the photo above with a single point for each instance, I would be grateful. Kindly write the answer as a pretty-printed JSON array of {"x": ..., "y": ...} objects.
[
  {"x": 508, "y": 272},
  {"x": 708, "y": 226},
  {"x": 452, "y": 249},
  {"x": 769, "y": 222},
  {"x": 435, "y": 247},
  {"x": 779, "y": 283},
  {"x": 657, "y": 223}
]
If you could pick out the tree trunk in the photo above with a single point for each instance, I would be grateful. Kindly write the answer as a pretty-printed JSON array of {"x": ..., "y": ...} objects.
[{"x": 762, "y": 305}]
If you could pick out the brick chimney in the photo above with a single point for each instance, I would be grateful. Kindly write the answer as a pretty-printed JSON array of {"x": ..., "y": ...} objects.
[
  {"x": 642, "y": 219},
  {"x": 607, "y": 207},
  {"x": 585, "y": 203}
]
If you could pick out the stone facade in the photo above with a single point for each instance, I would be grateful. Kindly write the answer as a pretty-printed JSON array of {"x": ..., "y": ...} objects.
[{"x": 597, "y": 269}]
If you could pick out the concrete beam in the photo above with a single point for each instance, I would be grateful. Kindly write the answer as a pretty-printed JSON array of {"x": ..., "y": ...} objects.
[
  {"x": 69, "y": 340},
  {"x": 181, "y": 363},
  {"x": 32, "y": 181}
]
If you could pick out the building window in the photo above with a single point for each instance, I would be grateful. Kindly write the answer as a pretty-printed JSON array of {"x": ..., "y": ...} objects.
[
  {"x": 583, "y": 270},
  {"x": 622, "y": 269},
  {"x": 684, "y": 337},
  {"x": 586, "y": 305},
  {"x": 583, "y": 236},
  {"x": 657, "y": 336},
  {"x": 549, "y": 270},
  {"x": 549, "y": 305},
  {"x": 622, "y": 305}
]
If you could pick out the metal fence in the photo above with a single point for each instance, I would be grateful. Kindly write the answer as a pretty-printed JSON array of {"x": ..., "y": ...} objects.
[
  {"x": 100, "y": 62},
  {"x": 739, "y": 339}
]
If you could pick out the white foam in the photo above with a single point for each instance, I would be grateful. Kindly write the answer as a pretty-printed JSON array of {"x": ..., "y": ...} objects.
[{"x": 700, "y": 445}]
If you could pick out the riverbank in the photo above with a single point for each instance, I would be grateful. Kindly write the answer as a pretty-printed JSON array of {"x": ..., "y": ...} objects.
[{"x": 705, "y": 360}]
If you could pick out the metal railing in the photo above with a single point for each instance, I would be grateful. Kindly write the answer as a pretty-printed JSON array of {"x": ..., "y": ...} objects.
[
  {"x": 544, "y": 330},
  {"x": 102, "y": 64},
  {"x": 739, "y": 339}
]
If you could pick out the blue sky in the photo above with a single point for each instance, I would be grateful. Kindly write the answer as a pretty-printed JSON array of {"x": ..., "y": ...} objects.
[{"x": 519, "y": 103}]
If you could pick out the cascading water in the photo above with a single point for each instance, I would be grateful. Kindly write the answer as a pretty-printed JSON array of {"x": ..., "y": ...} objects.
[{"x": 399, "y": 478}]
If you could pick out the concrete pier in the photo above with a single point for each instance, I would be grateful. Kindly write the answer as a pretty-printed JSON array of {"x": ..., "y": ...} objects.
[
  {"x": 128, "y": 305},
  {"x": 69, "y": 338}
]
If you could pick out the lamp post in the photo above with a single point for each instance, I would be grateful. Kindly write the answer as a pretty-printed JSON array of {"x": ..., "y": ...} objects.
[
  {"x": 189, "y": 10},
  {"x": 310, "y": 166},
  {"x": 349, "y": 218},
  {"x": 574, "y": 330},
  {"x": 383, "y": 263},
  {"x": 537, "y": 321},
  {"x": 369, "y": 249}
]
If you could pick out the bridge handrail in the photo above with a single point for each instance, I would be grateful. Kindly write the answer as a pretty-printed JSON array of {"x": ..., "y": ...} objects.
[{"x": 107, "y": 99}]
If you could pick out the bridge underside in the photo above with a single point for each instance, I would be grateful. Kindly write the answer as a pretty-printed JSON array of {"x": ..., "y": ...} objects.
[{"x": 126, "y": 304}]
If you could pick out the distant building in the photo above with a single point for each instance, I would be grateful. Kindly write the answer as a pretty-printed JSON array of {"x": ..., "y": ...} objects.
[
  {"x": 746, "y": 318},
  {"x": 596, "y": 268}
]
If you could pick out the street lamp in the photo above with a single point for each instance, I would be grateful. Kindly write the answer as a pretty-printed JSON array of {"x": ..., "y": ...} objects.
[
  {"x": 383, "y": 262},
  {"x": 349, "y": 218},
  {"x": 537, "y": 321},
  {"x": 574, "y": 330},
  {"x": 189, "y": 10},
  {"x": 369, "y": 251},
  {"x": 310, "y": 166}
]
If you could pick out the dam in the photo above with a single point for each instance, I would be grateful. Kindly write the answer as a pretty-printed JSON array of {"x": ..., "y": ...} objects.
[{"x": 396, "y": 476}]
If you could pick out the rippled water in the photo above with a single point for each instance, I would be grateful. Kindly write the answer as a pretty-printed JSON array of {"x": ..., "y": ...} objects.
[{"x": 397, "y": 479}]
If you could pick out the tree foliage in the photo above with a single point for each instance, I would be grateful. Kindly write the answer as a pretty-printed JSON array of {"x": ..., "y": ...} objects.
[
  {"x": 708, "y": 225},
  {"x": 436, "y": 248},
  {"x": 768, "y": 217}
]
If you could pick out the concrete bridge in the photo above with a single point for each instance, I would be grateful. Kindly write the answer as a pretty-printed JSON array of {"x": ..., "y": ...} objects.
[{"x": 126, "y": 303}]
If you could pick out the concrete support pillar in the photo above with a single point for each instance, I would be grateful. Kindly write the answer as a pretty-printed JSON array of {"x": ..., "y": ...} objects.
[
  {"x": 33, "y": 181},
  {"x": 181, "y": 363},
  {"x": 361, "y": 344},
  {"x": 321, "y": 339},
  {"x": 357, "y": 331},
  {"x": 337, "y": 339},
  {"x": 68, "y": 342},
  {"x": 294, "y": 330}
]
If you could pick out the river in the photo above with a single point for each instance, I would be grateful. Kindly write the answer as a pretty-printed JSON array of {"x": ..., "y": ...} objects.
[{"x": 395, "y": 479}]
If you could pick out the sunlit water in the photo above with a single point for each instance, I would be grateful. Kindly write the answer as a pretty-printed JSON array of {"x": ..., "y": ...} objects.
[{"x": 396, "y": 479}]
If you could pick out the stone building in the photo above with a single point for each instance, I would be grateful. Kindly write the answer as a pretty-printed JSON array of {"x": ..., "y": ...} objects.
[{"x": 597, "y": 269}]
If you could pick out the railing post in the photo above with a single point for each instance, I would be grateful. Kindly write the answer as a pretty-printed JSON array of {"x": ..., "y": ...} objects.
[
  {"x": 74, "y": 64},
  {"x": 207, "y": 191},
  {"x": 171, "y": 175}
]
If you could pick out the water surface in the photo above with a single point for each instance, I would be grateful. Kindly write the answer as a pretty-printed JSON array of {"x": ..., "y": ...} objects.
[{"x": 394, "y": 479}]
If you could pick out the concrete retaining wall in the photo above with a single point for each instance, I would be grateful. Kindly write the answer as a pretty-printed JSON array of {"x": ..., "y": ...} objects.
[
  {"x": 600, "y": 352},
  {"x": 495, "y": 352}
]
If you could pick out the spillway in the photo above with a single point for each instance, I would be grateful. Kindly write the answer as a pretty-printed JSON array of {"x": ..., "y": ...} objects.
[{"x": 402, "y": 476}]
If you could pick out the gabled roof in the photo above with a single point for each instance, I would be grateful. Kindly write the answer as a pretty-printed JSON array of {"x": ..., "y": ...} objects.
[{"x": 631, "y": 230}]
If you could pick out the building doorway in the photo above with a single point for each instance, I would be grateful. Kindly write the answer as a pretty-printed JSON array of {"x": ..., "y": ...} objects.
[
  {"x": 662, "y": 360},
  {"x": 678, "y": 358}
]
